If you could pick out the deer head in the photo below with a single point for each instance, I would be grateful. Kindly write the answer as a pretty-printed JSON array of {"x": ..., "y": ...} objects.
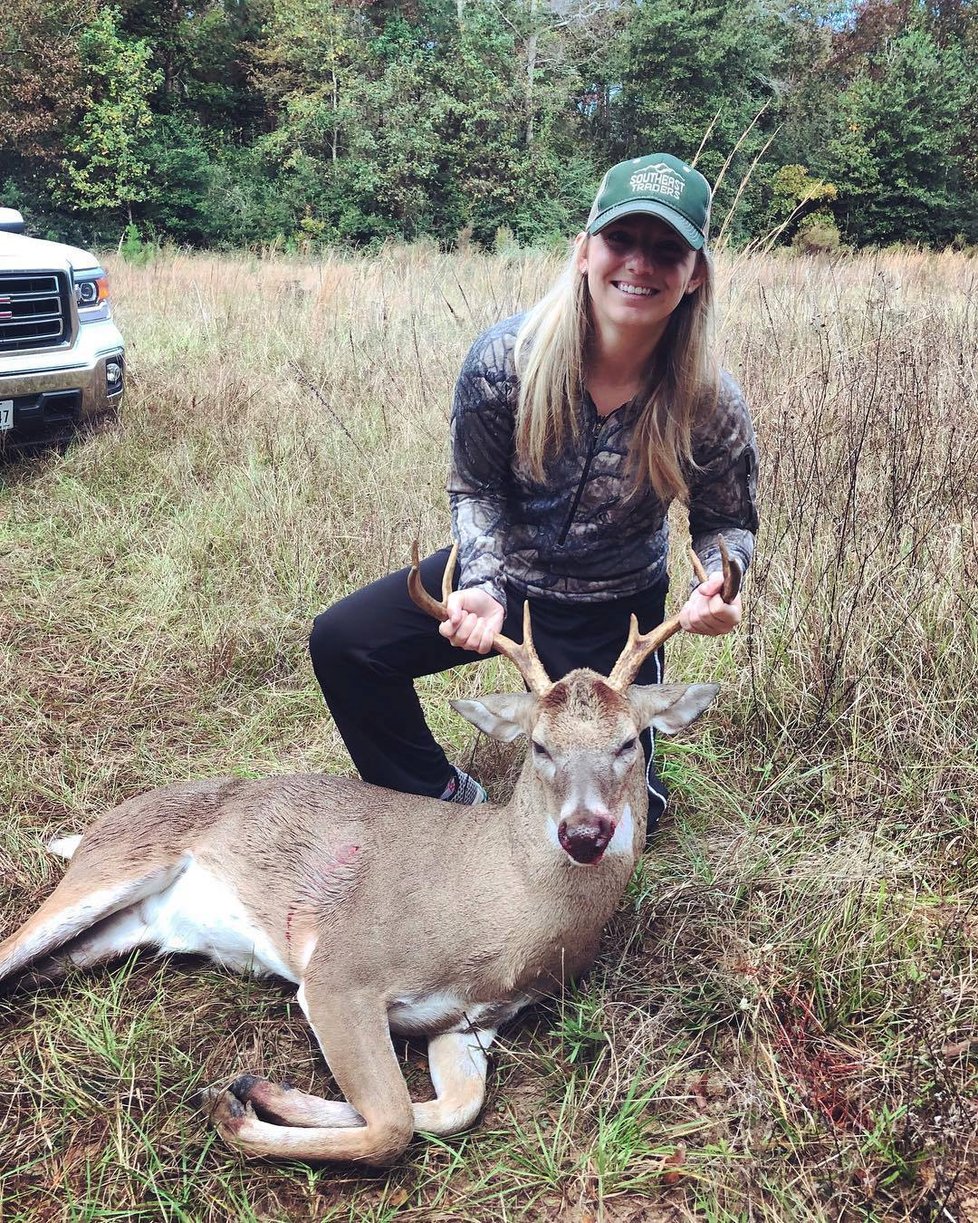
[{"x": 584, "y": 770}]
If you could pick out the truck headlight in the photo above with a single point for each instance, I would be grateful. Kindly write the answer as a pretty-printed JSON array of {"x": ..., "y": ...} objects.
[{"x": 92, "y": 295}]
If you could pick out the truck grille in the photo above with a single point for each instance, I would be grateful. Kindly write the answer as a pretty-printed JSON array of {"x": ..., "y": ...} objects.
[{"x": 34, "y": 310}]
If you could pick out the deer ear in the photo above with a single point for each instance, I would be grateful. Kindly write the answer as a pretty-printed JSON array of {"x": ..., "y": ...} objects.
[
  {"x": 505, "y": 716},
  {"x": 670, "y": 707}
]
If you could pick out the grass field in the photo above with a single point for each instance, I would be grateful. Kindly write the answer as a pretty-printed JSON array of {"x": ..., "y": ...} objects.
[{"x": 784, "y": 1021}]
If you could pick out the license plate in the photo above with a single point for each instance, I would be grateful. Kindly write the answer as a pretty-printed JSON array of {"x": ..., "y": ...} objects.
[{"x": 6, "y": 414}]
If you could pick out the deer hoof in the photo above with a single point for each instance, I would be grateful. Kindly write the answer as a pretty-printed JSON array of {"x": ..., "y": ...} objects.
[
  {"x": 262, "y": 1094},
  {"x": 243, "y": 1086},
  {"x": 225, "y": 1111}
]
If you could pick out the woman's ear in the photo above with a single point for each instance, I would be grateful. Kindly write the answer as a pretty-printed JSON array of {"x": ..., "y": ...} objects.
[
  {"x": 580, "y": 246},
  {"x": 699, "y": 274}
]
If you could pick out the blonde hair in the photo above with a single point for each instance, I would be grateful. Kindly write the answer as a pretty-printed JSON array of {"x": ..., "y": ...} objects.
[{"x": 682, "y": 382}]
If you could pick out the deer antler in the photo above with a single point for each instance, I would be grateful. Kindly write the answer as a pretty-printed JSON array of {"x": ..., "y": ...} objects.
[
  {"x": 640, "y": 645},
  {"x": 523, "y": 657}
]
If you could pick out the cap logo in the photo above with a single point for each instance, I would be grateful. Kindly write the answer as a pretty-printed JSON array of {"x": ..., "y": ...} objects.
[{"x": 658, "y": 179}]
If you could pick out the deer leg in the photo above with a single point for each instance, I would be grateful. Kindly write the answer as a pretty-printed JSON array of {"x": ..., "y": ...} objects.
[
  {"x": 355, "y": 1039},
  {"x": 457, "y": 1061},
  {"x": 88, "y": 916},
  {"x": 107, "y": 940},
  {"x": 287, "y": 1105}
]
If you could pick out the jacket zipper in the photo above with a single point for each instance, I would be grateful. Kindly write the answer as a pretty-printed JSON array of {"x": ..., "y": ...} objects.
[{"x": 592, "y": 440}]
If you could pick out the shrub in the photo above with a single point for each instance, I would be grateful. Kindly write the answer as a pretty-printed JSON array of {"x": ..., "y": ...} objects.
[{"x": 817, "y": 234}]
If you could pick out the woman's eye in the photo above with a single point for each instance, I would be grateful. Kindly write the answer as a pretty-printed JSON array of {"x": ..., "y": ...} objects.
[{"x": 618, "y": 238}]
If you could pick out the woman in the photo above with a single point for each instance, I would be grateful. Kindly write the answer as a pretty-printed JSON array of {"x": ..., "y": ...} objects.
[{"x": 573, "y": 427}]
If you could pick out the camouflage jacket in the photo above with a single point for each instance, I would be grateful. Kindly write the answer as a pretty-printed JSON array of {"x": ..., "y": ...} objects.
[{"x": 578, "y": 536}]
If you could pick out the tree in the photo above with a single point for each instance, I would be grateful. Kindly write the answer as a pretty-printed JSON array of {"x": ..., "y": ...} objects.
[
  {"x": 685, "y": 74},
  {"x": 107, "y": 165},
  {"x": 307, "y": 69},
  {"x": 237, "y": 121},
  {"x": 900, "y": 152},
  {"x": 41, "y": 91},
  {"x": 510, "y": 125},
  {"x": 205, "y": 53},
  {"x": 393, "y": 122}
]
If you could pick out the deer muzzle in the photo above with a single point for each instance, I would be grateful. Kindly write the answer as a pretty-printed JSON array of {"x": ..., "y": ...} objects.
[{"x": 585, "y": 838}]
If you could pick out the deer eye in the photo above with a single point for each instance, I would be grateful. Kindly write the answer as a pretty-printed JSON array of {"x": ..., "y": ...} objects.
[
  {"x": 540, "y": 752},
  {"x": 626, "y": 747}
]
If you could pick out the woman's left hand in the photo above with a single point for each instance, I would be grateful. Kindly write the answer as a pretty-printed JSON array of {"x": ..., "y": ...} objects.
[{"x": 705, "y": 611}]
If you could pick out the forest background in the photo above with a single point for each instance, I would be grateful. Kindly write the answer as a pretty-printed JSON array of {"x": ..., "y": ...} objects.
[{"x": 296, "y": 123}]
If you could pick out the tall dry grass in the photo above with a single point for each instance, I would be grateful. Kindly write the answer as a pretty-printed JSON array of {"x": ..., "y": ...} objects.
[{"x": 783, "y": 1024}]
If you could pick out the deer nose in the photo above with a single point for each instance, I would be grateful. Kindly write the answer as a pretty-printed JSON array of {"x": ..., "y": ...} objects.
[{"x": 586, "y": 838}]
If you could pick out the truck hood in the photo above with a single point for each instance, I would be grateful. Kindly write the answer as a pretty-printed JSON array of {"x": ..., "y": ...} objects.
[{"x": 18, "y": 251}]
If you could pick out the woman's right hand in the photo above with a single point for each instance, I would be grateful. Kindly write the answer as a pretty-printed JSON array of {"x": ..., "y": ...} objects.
[{"x": 474, "y": 619}]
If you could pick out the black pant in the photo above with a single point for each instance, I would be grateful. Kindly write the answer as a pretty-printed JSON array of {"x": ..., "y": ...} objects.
[{"x": 368, "y": 648}]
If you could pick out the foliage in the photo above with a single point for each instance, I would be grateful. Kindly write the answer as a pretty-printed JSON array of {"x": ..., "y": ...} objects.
[
  {"x": 40, "y": 84},
  {"x": 134, "y": 249},
  {"x": 106, "y": 160},
  {"x": 898, "y": 154},
  {"x": 357, "y": 121},
  {"x": 797, "y": 202},
  {"x": 391, "y": 138},
  {"x": 793, "y": 187},
  {"x": 817, "y": 234},
  {"x": 206, "y": 55}
]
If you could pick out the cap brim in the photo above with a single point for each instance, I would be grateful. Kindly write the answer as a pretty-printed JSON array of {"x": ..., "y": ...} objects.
[{"x": 651, "y": 208}]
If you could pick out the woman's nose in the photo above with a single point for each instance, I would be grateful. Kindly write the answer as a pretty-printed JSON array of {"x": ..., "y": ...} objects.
[{"x": 641, "y": 256}]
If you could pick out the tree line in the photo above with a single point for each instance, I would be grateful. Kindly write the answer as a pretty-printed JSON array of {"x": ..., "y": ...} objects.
[{"x": 235, "y": 123}]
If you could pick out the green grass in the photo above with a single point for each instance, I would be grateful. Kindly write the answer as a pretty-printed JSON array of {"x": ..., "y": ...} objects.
[{"x": 782, "y": 1024}]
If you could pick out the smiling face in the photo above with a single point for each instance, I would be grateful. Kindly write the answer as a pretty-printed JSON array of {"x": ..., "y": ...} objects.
[{"x": 638, "y": 270}]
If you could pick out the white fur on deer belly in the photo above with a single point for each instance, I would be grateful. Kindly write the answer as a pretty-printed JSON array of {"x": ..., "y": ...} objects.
[
  {"x": 446, "y": 1011},
  {"x": 201, "y": 915},
  {"x": 439, "y": 1012}
]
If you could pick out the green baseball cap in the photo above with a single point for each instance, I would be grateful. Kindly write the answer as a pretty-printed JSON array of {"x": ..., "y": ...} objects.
[{"x": 658, "y": 185}]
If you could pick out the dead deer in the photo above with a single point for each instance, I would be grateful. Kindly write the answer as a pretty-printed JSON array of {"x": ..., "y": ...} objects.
[{"x": 391, "y": 912}]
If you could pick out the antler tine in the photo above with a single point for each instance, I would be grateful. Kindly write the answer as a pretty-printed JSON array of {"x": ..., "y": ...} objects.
[
  {"x": 733, "y": 574},
  {"x": 640, "y": 645},
  {"x": 449, "y": 574},
  {"x": 637, "y": 648},
  {"x": 420, "y": 596},
  {"x": 698, "y": 570},
  {"x": 524, "y": 657}
]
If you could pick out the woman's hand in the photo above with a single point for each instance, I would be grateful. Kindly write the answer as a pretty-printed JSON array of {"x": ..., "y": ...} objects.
[
  {"x": 474, "y": 618},
  {"x": 705, "y": 611}
]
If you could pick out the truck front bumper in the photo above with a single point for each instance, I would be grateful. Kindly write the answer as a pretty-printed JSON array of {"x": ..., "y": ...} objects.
[{"x": 46, "y": 395}]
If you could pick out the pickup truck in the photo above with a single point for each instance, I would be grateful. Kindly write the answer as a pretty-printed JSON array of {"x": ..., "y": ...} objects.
[{"x": 62, "y": 358}]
